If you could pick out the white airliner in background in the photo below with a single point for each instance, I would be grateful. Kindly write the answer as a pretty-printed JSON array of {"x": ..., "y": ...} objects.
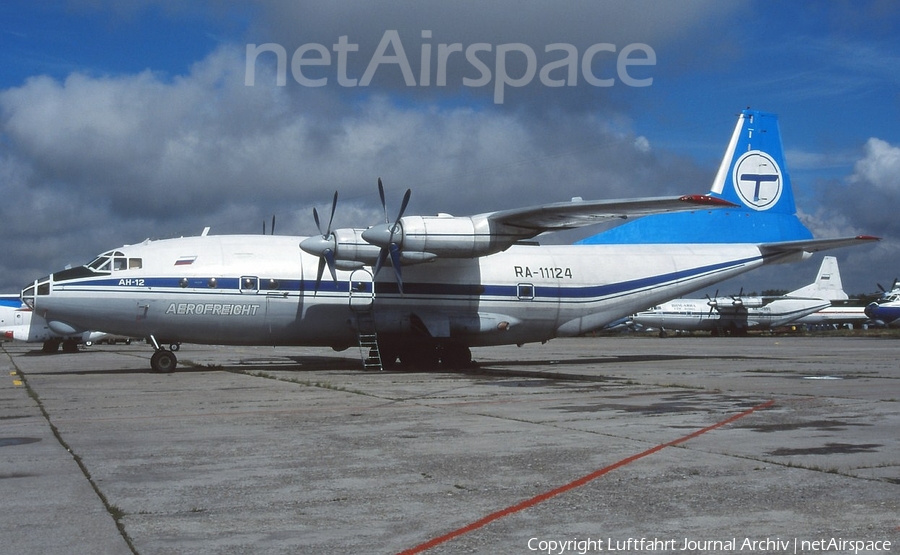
[
  {"x": 457, "y": 283},
  {"x": 18, "y": 322},
  {"x": 738, "y": 313}
]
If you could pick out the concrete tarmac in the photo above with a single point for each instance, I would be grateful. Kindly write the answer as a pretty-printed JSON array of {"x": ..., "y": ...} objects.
[{"x": 627, "y": 444}]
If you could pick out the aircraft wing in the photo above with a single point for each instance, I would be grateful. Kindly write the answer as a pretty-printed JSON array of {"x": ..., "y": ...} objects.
[
  {"x": 579, "y": 213},
  {"x": 814, "y": 245}
]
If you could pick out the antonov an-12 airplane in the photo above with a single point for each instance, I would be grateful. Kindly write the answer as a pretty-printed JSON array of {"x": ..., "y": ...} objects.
[
  {"x": 736, "y": 314},
  {"x": 457, "y": 283}
]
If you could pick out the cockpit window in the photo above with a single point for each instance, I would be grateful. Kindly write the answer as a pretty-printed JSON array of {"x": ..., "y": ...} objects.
[
  {"x": 112, "y": 261},
  {"x": 100, "y": 264}
]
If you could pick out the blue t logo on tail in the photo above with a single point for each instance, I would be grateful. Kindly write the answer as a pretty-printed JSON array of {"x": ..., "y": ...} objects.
[
  {"x": 753, "y": 176},
  {"x": 757, "y": 180}
]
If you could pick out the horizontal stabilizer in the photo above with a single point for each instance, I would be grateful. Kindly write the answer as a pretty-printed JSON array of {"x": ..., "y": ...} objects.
[
  {"x": 579, "y": 213},
  {"x": 814, "y": 245}
]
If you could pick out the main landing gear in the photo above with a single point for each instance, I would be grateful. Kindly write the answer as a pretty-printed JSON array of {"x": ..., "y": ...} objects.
[
  {"x": 426, "y": 355},
  {"x": 162, "y": 361}
]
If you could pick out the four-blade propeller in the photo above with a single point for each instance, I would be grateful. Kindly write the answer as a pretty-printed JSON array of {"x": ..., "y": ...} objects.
[
  {"x": 388, "y": 236},
  {"x": 323, "y": 246}
]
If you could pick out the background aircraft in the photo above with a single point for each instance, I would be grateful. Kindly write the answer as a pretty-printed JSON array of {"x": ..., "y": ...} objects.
[
  {"x": 828, "y": 285},
  {"x": 737, "y": 314},
  {"x": 457, "y": 282},
  {"x": 886, "y": 310},
  {"x": 19, "y": 322}
]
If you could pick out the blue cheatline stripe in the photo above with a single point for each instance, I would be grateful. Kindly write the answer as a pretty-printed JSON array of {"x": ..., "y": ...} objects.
[
  {"x": 10, "y": 301},
  {"x": 171, "y": 286}
]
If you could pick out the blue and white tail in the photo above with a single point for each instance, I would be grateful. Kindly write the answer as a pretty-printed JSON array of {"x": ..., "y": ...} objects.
[{"x": 753, "y": 176}]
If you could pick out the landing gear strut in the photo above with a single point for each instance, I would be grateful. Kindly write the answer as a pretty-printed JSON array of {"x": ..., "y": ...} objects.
[{"x": 162, "y": 361}]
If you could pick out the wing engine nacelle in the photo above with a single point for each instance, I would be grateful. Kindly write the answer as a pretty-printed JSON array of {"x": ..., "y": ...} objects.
[
  {"x": 733, "y": 303},
  {"x": 345, "y": 246},
  {"x": 442, "y": 236},
  {"x": 351, "y": 252}
]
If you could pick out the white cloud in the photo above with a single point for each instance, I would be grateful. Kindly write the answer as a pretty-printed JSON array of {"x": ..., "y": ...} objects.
[
  {"x": 879, "y": 167},
  {"x": 95, "y": 162}
]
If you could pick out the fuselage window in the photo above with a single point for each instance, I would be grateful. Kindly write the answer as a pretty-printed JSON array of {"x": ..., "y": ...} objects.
[
  {"x": 525, "y": 291},
  {"x": 135, "y": 263},
  {"x": 249, "y": 284}
]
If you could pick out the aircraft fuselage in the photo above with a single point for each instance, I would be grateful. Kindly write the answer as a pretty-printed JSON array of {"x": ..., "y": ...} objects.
[{"x": 262, "y": 290}]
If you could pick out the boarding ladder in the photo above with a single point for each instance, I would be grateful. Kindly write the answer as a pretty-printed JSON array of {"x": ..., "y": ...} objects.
[{"x": 368, "y": 340}]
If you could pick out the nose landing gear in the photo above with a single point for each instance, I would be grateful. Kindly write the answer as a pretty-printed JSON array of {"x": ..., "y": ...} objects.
[{"x": 162, "y": 361}]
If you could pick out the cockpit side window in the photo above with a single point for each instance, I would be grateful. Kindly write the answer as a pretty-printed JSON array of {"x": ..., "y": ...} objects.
[
  {"x": 100, "y": 264},
  {"x": 135, "y": 263},
  {"x": 109, "y": 261}
]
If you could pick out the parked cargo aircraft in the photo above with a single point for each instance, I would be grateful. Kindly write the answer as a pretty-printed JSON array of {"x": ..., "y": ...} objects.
[
  {"x": 739, "y": 313},
  {"x": 18, "y": 322},
  {"x": 458, "y": 282},
  {"x": 828, "y": 285}
]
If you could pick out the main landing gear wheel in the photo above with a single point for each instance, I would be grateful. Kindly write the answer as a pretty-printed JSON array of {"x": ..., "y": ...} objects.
[
  {"x": 163, "y": 361},
  {"x": 456, "y": 356}
]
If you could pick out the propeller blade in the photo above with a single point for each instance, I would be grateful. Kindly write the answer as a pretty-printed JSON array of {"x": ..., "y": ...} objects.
[
  {"x": 395, "y": 261},
  {"x": 403, "y": 206},
  {"x": 333, "y": 208},
  {"x": 383, "y": 203},
  {"x": 328, "y": 256},
  {"x": 318, "y": 225},
  {"x": 379, "y": 262},
  {"x": 319, "y": 272}
]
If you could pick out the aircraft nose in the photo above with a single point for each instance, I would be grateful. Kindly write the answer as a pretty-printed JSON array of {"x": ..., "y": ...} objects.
[{"x": 870, "y": 310}]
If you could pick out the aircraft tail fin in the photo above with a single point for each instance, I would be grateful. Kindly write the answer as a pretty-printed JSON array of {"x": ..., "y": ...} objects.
[
  {"x": 828, "y": 284},
  {"x": 753, "y": 176}
]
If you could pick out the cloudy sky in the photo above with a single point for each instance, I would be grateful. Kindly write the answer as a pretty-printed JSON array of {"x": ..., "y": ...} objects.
[{"x": 126, "y": 120}]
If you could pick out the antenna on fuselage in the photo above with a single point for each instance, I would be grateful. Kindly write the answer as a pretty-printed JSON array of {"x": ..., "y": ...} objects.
[
  {"x": 205, "y": 231},
  {"x": 273, "y": 225}
]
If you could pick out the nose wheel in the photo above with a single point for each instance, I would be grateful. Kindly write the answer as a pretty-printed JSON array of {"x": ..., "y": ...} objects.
[{"x": 162, "y": 361}]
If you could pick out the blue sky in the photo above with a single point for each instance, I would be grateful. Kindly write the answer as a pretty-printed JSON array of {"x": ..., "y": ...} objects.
[{"x": 121, "y": 121}]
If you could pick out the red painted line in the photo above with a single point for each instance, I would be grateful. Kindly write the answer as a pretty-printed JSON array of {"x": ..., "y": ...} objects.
[{"x": 575, "y": 484}]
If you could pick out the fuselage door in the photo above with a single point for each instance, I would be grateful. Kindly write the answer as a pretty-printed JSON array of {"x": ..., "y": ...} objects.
[{"x": 362, "y": 290}]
